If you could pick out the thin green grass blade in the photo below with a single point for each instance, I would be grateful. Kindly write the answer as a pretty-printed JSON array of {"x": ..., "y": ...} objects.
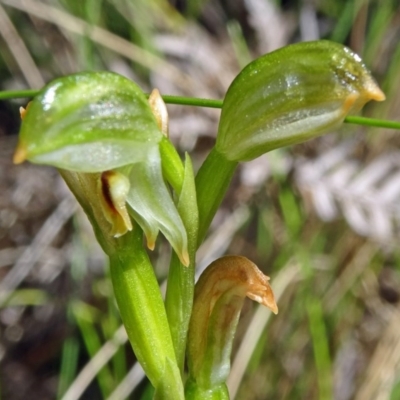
[
  {"x": 380, "y": 22},
  {"x": 69, "y": 365},
  {"x": 344, "y": 23},
  {"x": 85, "y": 317},
  {"x": 239, "y": 44},
  {"x": 111, "y": 322},
  {"x": 319, "y": 338}
]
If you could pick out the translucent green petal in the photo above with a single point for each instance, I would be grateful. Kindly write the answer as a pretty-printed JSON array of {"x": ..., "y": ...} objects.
[
  {"x": 89, "y": 122},
  {"x": 153, "y": 207}
]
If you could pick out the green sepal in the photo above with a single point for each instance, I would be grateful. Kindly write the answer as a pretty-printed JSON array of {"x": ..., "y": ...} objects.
[{"x": 88, "y": 122}]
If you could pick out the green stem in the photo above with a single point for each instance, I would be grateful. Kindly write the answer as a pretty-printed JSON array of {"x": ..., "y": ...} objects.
[
  {"x": 214, "y": 103},
  {"x": 136, "y": 290},
  {"x": 143, "y": 314},
  {"x": 18, "y": 94},
  {"x": 193, "y": 101},
  {"x": 212, "y": 182},
  {"x": 186, "y": 101},
  {"x": 378, "y": 123}
]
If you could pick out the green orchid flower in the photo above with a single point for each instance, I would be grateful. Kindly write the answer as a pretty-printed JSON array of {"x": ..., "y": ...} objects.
[
  {"x": 101, "y": 124},
  {"x": 291, "y": 95}
]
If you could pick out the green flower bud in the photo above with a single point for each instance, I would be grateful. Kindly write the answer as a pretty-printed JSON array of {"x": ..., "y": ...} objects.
[
  {"x": 99, "y": 125},
  {"x": 219, "y": 296},
  {"x": 291, "y": 95}
]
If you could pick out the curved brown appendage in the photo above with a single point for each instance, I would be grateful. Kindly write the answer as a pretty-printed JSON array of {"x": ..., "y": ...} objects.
[
  {"x": 218, "y": 300},
  {"x": 235, "y": 273}
]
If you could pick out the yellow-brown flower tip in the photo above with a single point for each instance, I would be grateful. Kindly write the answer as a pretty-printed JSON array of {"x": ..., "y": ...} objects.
[
  {"x": 260, "y": 290},
  {"x": 184, "y": 258},
  {"x": 150, "y": 243},
  {"x": 375, "y": 93},
  {"x": 159, "y": 110},
  {"x": 267, "y": 299},
  {"x": 274, "y": 309},
  {"x": 20, "y": 154},
  {"x": 23, "y": 111},
  {"x": 369, "y": 90}
]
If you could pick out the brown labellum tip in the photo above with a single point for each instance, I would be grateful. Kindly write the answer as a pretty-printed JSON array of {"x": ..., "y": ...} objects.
[{"x": 113, "y": 191}]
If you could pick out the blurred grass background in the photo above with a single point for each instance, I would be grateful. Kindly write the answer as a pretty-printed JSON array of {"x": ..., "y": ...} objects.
[{"x": 322, "y": 218}]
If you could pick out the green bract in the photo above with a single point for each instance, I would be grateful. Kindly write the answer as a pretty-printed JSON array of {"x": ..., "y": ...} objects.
[
  {"x": 96, "y": 122},
  {"x": 291, "y": 95}
]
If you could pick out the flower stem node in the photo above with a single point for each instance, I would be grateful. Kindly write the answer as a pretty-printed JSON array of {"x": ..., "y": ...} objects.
[{"x": 291, "y": 95}]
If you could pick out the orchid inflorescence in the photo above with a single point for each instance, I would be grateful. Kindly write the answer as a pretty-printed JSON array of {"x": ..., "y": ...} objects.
[{"x": 110, "y": 144}]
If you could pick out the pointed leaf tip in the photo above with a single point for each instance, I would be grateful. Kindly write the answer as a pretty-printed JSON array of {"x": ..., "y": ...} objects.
[{"x": 263, "y": 294}]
